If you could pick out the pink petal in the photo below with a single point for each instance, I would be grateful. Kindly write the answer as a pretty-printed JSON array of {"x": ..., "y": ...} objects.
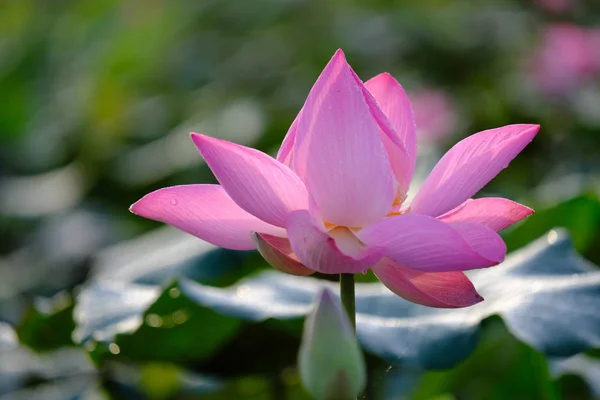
[
  {"x": 395, "y": 104},
  {"x": 259, "y": 184},
  {"x": 205, "y": 211},
  {"x": 326, "y": 254},
  {"x": 423, "y": 243},
  {"x": 284, "y": 155},
  {"x": 278, "y": 253},
  {"x": 339, "y": 151},
  {"x": 470, "y": 165},
  {"x": 494, "y": 212},
  {"x": 433, "y": 289},
  {"x": 482, "y": 239}
]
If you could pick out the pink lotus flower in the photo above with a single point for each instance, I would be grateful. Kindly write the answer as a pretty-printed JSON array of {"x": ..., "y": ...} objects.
[
  {"x": 556, "y": 6},
  {"x": 569, "y": 55},
  {"x": 435, "y": 115},
  {"x": 332, "y": 200}
]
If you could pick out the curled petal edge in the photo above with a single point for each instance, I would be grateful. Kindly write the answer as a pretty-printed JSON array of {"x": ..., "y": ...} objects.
[
  {"x": 278, "y": 253},
  {"x": 451, "y": 289}
]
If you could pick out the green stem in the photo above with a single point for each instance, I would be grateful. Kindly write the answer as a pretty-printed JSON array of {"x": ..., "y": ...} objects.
[
  {"x": 347, "y": 295},
  {"x": 277, "y": 388}
]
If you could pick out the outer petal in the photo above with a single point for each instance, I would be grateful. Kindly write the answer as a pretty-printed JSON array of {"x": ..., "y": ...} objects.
[
  {"x": 322, "y": 253},
  {"x": 494, "y": 212},
  {"x": 259, "y": 184},
  {"x": 205, "y": 211},
  {"x": 395, "y": 104},
  {"x": 278, "y": 253},
  {"x": 284, "y": 155},
  {"x": 433, "y": 289},
  {"x": 470, "y": 165},
  {"x": 426, "y": 244},
  {"x": 339, "y": 151},
  {"x": 483, "y": 240}
]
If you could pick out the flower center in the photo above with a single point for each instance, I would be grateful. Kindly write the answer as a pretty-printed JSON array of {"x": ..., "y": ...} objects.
[
  {"x": 346, "y": 241},
  {"x": 329, "y": 226},
  {"x": 398, "y": 200}
]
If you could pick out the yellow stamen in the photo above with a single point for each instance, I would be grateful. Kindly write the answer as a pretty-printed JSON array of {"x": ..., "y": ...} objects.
[
  {"x": 328, "y": 225},
  {"x": 398, "y": 200}
]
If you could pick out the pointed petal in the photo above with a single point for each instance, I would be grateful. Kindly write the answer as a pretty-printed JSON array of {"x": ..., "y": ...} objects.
[
  {"x": 259, "y": 184},
  {"x": 284, "y": 155},
  {"x": 469, "y": 166},
  {"x": 393, "y": 144},
  {"x": 433, "y": 289},
  {"x": 205, "y": 211},
  {"x": 426, "y": 244},
  {"x": 395, "y": 104},
  {"x": 323, "y": 253},
  {"x": 339, "y": 153},
  {"x": 278, "y": 253},
  {"x": 494, "y": 212}
]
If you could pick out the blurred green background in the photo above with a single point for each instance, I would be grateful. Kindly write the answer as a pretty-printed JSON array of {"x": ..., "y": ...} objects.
[{"x": 98, "y": 98}]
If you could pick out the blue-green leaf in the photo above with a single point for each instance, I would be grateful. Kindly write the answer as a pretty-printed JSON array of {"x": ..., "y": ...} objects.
[
  {"x": 588, "y": 368},
  {"x": 546, "y": 294}
]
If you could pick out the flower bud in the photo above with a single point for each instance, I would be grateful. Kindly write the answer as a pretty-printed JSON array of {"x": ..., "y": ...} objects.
[{"x": 330, "y": 361}]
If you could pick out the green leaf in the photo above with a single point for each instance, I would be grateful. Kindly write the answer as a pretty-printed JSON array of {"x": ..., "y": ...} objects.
[
  {"x": 66, "y": 373},
  {"x": 500, "y": 368},
  {"x": 580, "y": 215},
  {"x": 547, "y": 280},
  {"x": 49, "y": 324},
  {"x": 581, "y": 365},
  {"x": 131, "y": 307}
]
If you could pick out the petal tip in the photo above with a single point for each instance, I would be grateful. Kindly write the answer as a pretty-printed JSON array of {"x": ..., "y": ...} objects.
[
  {"x": 137, "y": 208},
  {"x": 326, "y": 296},
  {"x": 387, "y": 77},
  {"x": 384, "y": 78},
  {"x": 476, "y": 298},
  {"x": 338, "y": 60},
  {"x": 534, "y": 129},
  {"x": 198, "y": 138},
  {"x": 467, "y": 301},
  {"x": 201, "y": 140},
  {"x": 133, "y": 207},
  {"x": 339, "y": 53},
  {"x": 529, "y": 130}
]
